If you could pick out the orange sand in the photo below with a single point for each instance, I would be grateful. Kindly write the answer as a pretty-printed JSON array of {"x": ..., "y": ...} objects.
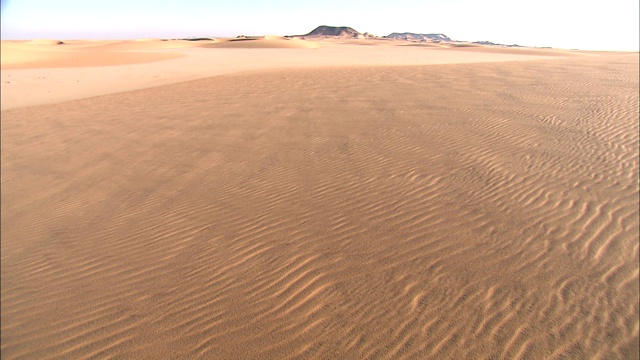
[{"x": 326, "y": 201}]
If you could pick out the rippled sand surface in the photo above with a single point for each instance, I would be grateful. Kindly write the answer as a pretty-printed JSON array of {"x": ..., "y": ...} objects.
[{"x": 453, "y": 211}]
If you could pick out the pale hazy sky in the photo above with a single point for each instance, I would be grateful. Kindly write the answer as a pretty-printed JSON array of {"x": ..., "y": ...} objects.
[{"x": 598, "y": 25}]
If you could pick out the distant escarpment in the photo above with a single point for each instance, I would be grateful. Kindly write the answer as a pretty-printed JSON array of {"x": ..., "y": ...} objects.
[
  {"x": 419, "y": 37},
  {"x": 334, "y": 31}
]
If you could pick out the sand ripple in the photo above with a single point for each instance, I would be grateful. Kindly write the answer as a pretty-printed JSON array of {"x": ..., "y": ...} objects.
[{"x": 445, "y": 211}]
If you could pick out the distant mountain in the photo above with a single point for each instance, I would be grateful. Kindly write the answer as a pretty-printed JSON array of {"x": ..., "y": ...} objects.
[
  {"x": 334, "y": 31},
  {"x": 344, "y": 32},
  {"x": 419, "y": 37},
  {"x": 489, "y": 43}
]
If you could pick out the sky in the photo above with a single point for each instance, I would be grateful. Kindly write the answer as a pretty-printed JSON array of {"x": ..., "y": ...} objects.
[{"x": 569, "y": 24}]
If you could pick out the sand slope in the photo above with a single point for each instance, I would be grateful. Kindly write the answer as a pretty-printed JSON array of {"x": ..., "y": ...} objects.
[
  {"x": 267, "y": 42},
  {"x": 444, "y": 211},
  {"x": 80, "y": 69},
  {"x": 58, "y": 54}
]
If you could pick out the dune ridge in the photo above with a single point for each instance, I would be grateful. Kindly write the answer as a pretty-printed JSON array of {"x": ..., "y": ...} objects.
[{"x": 443, "y": 211}]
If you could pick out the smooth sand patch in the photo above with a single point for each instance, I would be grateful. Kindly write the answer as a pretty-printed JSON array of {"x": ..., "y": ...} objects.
[
  {"x": 32, "y": 76},
  {"x": 27, "y": 55},
  {"x": 267, "y": 42},
  {"x": 450, "y": 211}
]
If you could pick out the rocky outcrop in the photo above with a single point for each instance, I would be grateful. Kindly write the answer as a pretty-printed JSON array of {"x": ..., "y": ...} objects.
[
  {"x": 334, "y": 31},
  {"x": 419, "y": 37}
]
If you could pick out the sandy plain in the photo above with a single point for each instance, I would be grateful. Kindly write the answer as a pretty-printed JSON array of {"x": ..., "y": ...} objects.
[{"x": 275, "y": 199}]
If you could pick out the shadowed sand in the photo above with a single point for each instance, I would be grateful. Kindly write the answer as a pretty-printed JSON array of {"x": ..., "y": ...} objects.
[{"x": 335, "y": 210}]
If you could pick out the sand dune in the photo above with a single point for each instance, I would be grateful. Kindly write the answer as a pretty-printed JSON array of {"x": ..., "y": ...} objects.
[
  {"x": 27, "y": 55},
  {"x": 268, "y": 42},
  {"x": 472, "y": 210},
  {"x": 44, "y": 42},
  {"x": 145, "y": 45},
  {"x": 32, "y": 76}
]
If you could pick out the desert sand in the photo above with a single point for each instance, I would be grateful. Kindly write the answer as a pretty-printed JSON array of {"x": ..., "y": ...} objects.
[{"x": 274, "y": 199}]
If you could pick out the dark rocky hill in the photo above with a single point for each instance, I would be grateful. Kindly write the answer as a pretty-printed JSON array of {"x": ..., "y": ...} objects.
[
  {"x": 334, "y": 31},
  {"x": 419, "y": 37}
]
